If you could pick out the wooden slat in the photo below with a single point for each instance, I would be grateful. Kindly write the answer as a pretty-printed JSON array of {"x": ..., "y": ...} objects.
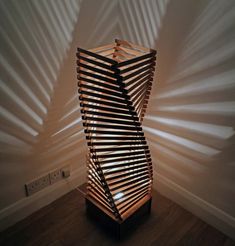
[
  {"x": 131, "y": 45},
  {"x": 136, "y": 59},
  {"x": 114, "y": 138},
  {"x": 95, "y": 69},
  {"x": 142, "y": 160},
  {"x": 122, "y": 54},
  {"x": 124, "y": 202},
  {"x": 130, "y": 82},
  {"x": 116, "y": 143},
  {"x": 138, "y": 65},
  {"x": 127, "y": 153},
  {"x": 104, "y": 163},
  {"x": 96, "y": 63},
  {"x": 124, "y": 169},
  {"x": 93, "y": 184},
  {"x": 119, "y": 122},
  {"x": 110, "y": 133},
  {"x": 114, "y": 87},
  {"x": 133, "y": 192},
  {"x": 141, "y": 82},
  {"x": 109, "y": 115},
  {"x": 126, "y": 177},
  {"x": 96, "y": 76},
  {"x": 139, "y": 95},
  {"x": 134, "y": 185},
  {"x": 107, "y": 96},
  {"x": 95, "y": 195},
  {"x": 110, "y": 104},
  {"x": 100, "y": 57},
  {"x": 117, "y": 127},
  {"x": 133, "y": 201},
  {"x": 127, "y": 173},
  {"x": 108, "y": 109},
  {"x": 131, "y": 53},
  {"x": 119, "y": 149},
  {"x": 89, "y": 89},
  {"x": 128, "y": 182},
  {"x": 141, "y": 70},
  {"x": 101, "y": 48}
]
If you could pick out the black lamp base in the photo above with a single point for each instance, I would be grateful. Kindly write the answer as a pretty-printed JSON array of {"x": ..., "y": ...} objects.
[{"x": 118, "y": 229}]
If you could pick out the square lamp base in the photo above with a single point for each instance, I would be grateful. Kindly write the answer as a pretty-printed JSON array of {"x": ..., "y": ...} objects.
[{"x": 113, "y": 227}]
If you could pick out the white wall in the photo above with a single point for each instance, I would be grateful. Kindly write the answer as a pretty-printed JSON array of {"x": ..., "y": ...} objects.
[
  {"x": 190, "y": 119},
  {"x": 40, "y": 121}
]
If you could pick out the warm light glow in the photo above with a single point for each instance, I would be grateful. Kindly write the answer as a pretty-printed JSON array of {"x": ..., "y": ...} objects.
[{"x": 118, "y": 196}]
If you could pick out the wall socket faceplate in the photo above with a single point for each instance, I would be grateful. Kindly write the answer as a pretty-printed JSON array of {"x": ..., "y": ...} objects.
[
  {"x": 46, "y": 180},
  {"x": 37, "y": 185}
]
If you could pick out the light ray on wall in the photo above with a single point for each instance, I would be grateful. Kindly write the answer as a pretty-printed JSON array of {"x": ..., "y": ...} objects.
[
  {"x": 191, "y": 116},
  {"x": 140, "y": 21}
]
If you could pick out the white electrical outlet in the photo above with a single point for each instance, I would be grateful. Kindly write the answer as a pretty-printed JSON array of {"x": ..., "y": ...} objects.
[
  {"x": 46, "y": 180},
  {"x": 55, "y": 176},
  {"x": 37, "y": 185}
]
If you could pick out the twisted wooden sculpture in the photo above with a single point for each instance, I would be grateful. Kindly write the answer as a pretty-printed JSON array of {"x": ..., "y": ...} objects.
[{"x": 114, "y": 86}]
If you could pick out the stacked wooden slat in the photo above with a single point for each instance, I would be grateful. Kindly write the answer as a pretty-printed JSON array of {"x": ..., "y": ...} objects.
[{"x": 114, "y": 86}]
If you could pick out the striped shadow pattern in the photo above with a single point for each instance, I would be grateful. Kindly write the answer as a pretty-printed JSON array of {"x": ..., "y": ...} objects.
[
  {"x": 34, "y": 41},
  {"x": 114, "y": 86}
]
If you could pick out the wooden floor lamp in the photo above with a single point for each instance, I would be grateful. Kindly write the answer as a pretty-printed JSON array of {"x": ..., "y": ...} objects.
[{"x": 114, "y": 85}]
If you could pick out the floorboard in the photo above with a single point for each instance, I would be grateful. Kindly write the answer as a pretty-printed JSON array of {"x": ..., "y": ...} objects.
[{"x": 64, "y": 222}]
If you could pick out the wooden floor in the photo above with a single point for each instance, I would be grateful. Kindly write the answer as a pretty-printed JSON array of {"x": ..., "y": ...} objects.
[{"x": 64, "y": 222}]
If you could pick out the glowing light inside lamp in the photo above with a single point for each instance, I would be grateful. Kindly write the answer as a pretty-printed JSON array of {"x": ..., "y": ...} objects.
[{"x": 118, "y": 196}]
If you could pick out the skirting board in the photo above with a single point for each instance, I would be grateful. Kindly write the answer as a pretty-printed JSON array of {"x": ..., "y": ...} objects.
[
  {"x": 204, "y": 210},
  {"x": 199, "y": 207},
  {"x": 26, "y": 206}
]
